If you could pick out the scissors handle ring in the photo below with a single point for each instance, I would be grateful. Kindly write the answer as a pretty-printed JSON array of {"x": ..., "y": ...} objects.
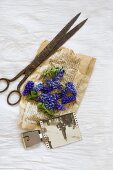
[
  {"x": 9, "y": 95},
  {"x": 7, "y": 81}
]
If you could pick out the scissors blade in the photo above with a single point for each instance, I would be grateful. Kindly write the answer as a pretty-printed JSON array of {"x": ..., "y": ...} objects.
[
  {"x": 42, "y": 58},
  {"x": 64, "y": 30},
  {"x": 58, "y": 37},
  {"x": 65, "y": 38},
  {"x": 68, "y": 36}
]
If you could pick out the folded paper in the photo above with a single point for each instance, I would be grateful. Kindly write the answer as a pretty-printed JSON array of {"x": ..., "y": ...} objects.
[{"x": 78, "y": 70}]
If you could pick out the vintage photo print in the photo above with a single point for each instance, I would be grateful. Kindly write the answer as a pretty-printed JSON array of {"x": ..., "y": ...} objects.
[{"x": 60, "y": 131}]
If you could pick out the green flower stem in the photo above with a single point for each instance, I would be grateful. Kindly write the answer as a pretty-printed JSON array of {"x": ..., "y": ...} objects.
[
  {"x": 42, "y": 107},
  {"x": 50, "y": 72}
]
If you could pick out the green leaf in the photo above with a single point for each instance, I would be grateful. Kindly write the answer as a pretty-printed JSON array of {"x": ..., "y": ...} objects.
[
  {"x": 50, "y": 112},
  {"x": 29, "y": 97},
  {"x": 45, "y": 73},
  {"x": 51, "y": 71},
  {"x": 34, "y": 94},
  {"x": 42, "y": 107}
]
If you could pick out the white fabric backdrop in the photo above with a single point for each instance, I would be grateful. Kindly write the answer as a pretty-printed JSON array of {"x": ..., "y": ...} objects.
[{"x": 23, "y": 25}]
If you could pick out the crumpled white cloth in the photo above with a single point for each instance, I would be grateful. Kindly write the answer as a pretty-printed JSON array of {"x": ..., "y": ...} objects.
[{"x": 23, "y": 25}]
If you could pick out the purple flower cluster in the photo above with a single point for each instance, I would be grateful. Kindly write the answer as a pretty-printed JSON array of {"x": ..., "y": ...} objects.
[
  {"x": 50, "y": 85},
  {"x": 59, "y": 106},
  {"x": 68, "y": 99},
  {"x": 54, "y": 84},
  {"x": 39, "y": 86},
  {"x": 71, "y": 88},
  {"x": 69, "y": 93},
  {"x": 49, "y": 100},
  {"x": 52, "y": 93},
  {"x": 59, "y": 75},
  {"x": 28, "y": 87},
  {"x": 58, "y": 95}
]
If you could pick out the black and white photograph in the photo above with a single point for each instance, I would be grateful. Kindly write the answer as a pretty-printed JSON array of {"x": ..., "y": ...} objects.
[{"x": 61, "y": 130}]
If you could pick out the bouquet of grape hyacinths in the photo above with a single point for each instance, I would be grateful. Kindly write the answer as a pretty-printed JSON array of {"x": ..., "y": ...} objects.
[{"x": 51, "y": 95}]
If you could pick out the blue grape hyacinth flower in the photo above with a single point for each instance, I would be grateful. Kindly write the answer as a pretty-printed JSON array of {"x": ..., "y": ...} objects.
[
  {"x": 71, "y": 88},
  {"x": 59, "y": 106},
  {"x": 68, "y": 99},
  {"x": 69, "y": 93},
  {"x": 59, "y": 75},
  {"x": 49, "y": 100},
  {"x": 54, "y": 84},
  {"x": 28, "y": 87},
  {"x": 39, "y": 86}
]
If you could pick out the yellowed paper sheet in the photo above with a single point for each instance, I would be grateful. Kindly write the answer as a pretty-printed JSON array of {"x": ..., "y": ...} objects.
[{"x": 78, "y": 70}]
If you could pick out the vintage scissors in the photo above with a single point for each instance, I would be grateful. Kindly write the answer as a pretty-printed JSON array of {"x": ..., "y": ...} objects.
[{"x": 50, "y": 49}]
